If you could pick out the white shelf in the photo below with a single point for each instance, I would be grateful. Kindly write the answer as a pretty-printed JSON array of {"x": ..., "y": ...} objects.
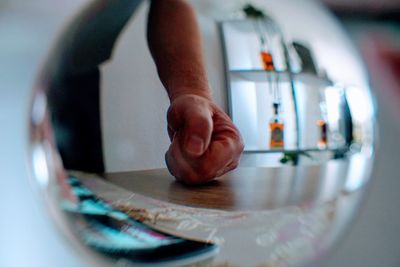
[
  {"x": 259, "y": 75},
  {"x": 299, "y": 151}
]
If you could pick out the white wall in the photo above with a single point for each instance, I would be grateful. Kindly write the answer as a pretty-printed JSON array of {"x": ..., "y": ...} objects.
[{"x": 133, "y": 103}]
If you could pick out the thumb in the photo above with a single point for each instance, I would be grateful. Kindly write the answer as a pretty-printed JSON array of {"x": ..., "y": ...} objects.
[{"x": 197, "y": 130}]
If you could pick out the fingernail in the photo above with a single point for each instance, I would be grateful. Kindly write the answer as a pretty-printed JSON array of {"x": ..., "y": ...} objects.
[{"x": 195, "y": 145}]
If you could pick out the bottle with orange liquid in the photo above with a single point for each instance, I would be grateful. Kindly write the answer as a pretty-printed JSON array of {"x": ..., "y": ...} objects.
[
  {"x": 322, "y": 123},
  {"x": 276, "y": 127},
  {"x": 323, "y": 140},
  {"x": 266, "y": 56},
  {"x": 267, "y": 60}
]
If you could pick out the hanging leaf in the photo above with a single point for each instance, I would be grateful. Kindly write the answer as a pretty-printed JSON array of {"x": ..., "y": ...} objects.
[{"x": 253, "y": 12}]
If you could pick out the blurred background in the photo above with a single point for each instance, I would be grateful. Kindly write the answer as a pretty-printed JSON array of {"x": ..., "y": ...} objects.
[{"x": 374, "y": 26}]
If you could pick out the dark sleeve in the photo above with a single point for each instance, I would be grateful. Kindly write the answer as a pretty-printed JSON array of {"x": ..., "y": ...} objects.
[{"x": 74, "y": 81}]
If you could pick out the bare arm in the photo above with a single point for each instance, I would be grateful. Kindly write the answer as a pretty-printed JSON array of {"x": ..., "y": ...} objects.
[
  {"x": 175, "y": 44},
  {"x": 204, "y": 142}
]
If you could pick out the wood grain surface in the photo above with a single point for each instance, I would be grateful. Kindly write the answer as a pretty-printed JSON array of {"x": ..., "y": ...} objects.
[{"x": 242, "y": 189}]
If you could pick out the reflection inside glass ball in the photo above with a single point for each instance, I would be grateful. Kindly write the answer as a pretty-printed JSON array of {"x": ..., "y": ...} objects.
[{"x": 307, "y": 158}]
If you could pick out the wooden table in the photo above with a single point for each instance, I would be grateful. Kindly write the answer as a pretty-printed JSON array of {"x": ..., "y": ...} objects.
[{"x": 242, "y": 189}]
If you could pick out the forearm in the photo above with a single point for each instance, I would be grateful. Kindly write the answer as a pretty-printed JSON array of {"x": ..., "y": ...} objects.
[{"x": 175, "y": 44}]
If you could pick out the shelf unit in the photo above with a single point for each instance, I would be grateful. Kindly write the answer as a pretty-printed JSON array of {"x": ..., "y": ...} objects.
[{"x": 249, "y": 72}]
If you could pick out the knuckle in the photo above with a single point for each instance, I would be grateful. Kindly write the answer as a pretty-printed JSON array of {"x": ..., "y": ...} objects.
[
  {"x": 235, "y": 165},
  {"x": 240, "y": 146},
  {"x": 235, "y": 147}
]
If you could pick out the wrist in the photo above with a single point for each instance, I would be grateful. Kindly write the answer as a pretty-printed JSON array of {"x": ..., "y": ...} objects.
[{"x": 201, "y": 92}]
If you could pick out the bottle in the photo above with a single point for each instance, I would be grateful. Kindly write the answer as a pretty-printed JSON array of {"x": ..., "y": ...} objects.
[
  {"x": 267, "y": 60},
  {"x": 323, "y": 140},
  {"x": 322, "y": 122},
  {"x": 276, "y": 127},
  {"x": 265, "y": 53}
]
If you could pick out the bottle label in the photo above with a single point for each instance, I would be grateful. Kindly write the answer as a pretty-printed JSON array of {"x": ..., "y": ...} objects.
[{"x": 277, "y": 138}]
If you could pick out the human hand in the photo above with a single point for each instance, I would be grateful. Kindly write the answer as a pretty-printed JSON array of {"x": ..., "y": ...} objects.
[{"x": 204, "y": 142}]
